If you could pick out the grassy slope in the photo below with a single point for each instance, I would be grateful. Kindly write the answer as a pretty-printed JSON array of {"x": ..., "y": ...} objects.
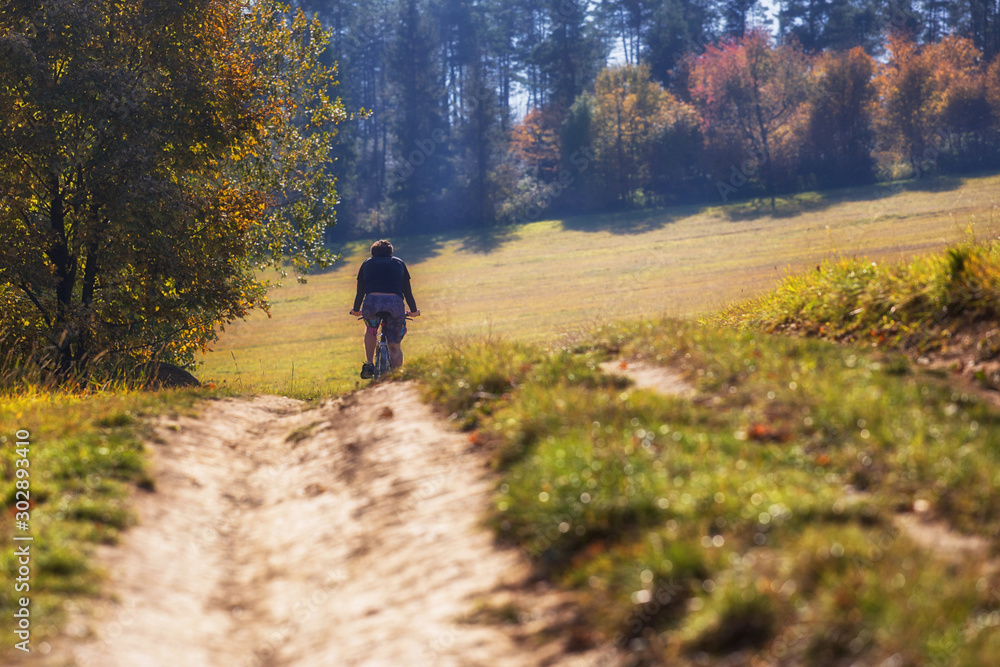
[
  {"x": 542, "y": 279},
  {"x": 754, "y": 524}
]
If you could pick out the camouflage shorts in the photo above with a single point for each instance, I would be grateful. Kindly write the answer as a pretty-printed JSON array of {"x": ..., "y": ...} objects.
[{"x": 395, "y": 324}]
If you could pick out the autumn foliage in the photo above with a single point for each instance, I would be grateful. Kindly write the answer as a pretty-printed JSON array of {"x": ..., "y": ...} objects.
[
  {"x": 635, "y": 121},
  {"x": 936, "y": 103},
  {"x": 752, "y": 95},
  {"x": 765, "y": 118},
  {"x": 153, "y": 156},
  {"x": 535, "y": 140}
]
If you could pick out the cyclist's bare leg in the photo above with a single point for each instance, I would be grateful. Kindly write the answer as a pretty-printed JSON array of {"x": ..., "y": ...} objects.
[
  {"x": 395, "y": 355},
  {"x": 370, "y": 344}
]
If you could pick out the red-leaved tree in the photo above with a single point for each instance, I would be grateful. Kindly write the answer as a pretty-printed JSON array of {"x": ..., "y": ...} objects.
[{"x": 752, "y": 93}]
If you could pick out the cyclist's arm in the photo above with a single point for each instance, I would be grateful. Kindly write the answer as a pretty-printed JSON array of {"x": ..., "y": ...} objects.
[
  {"x": 359, "y": 297},
  {"x": 408, "y": 291}
]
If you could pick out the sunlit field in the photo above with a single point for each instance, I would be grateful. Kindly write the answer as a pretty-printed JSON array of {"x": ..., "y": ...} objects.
[{"x": 551, "y": 278}]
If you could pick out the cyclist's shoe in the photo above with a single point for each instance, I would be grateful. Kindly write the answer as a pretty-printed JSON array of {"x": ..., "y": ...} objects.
[{"x": 367, "y": 371}]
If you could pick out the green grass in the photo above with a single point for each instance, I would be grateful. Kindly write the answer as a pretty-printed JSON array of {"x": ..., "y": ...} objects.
[
  {"x": 913, "y": 305},
  {"x": 86, "y": 459},
  {"x": 756, "y": 516},
  {"x": 534, "y": 282}
]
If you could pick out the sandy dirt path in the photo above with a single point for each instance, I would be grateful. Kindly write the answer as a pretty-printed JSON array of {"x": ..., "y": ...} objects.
[{"x": 346, "y": 534}]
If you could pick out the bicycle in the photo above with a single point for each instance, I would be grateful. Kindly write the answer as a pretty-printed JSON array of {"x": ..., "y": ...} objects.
[{"x": 381, "y": 360}]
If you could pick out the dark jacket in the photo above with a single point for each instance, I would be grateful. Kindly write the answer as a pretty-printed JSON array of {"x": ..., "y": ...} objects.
[{"x": 387, "y": 275}]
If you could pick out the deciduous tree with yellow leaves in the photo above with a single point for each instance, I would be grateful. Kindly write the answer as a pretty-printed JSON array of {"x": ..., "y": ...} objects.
[
  {"x": 634, "y": 123},
  {"x": 153, "y": 155}
]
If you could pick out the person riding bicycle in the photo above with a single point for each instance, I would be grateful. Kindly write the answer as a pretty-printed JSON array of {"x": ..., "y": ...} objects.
[{"x": 383, "y": 283}]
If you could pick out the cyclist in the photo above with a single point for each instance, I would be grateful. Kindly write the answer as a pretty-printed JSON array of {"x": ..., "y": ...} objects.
[{"x": 383, "y": 283}]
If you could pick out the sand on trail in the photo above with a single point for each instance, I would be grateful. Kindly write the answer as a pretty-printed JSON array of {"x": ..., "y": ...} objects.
[{"x": 346, "y": 534}]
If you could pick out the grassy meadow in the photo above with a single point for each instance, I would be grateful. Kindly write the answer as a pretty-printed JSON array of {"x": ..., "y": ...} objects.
[{"x": 539, "y": 281}]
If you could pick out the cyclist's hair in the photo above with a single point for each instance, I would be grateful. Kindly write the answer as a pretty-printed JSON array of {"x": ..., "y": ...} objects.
[{"x": 382, "y": 248}]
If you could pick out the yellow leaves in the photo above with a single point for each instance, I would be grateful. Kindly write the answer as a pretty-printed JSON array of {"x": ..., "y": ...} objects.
[{"x": 631, "y": 109}]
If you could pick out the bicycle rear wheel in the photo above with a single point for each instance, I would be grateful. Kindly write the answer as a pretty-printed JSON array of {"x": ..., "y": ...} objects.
[{"x": 382, "y": 363}]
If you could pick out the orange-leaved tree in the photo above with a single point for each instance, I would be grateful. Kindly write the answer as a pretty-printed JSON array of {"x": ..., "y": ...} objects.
[
  {"x": 752, "y": 93},
  {"x": 959, "y": 102},
  {"x": 535, "y": 141},
  {"x": 841, "y": 118},
  {"x": 934, "y": 103},
  {"x": 152, "y": 156}
]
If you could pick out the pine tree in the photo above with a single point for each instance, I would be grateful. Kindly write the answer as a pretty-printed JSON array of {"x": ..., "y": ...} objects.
[
  {"x": 678, "y": 28},
  {"x": 734, "y": 16},
  {"x": 980, "y": 21},
  {"x": 819, "y": 25},
  {"x": 572, "y": 52},
  {"x": 414, "y": 111}
]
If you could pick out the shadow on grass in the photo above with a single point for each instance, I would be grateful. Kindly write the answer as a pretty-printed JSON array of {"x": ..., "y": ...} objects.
[
  {"x": 794, "y": 205},
  {"x": 410, "y": 249},
  {"x": 422, "y": 247},
  {"x": 787, "y": 206},
  {"x": 485, "y": 241},
  {"x": 935, "y": 184},
  {"x": 417, "y": 249},
  {"x": 630, "y": 222}
]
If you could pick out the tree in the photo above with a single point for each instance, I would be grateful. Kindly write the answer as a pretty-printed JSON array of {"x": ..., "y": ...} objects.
[
  {"x": 153, "y": 155},
  {"x": 959, "y": 104},
  {"x": 980, "y": 21},
  {"x": 633, "y": 117},
  {"x": 934, "y": 104},
  {"x": 576, "y": 154},
  {"x": 417, "y": 115},
  {"x": 841, "y": 118},
  {"x": 630, "y": 19},
  {"x": 535, "y": 142},
  {"x": 904, "y": 84},
  {"x": 830, "y": 24},
  {"x": 734, "y": 14},
  {"x": 571, "y": 54},
  {"x": 900, "y": 17},
  {"x": 992, "y": 83},
  {"x": 753, "y": 93},
  {"x": 678, "y": 29}
]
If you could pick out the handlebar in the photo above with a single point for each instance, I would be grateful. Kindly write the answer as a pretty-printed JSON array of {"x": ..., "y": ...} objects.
[{"x": 410, "y": 315}]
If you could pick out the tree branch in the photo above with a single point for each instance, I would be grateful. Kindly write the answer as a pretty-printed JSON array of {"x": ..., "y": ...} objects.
[{"x": 41, "y": 309}]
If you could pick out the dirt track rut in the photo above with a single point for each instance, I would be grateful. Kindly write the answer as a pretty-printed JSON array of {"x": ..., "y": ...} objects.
[{"x": 347, "y": 534}]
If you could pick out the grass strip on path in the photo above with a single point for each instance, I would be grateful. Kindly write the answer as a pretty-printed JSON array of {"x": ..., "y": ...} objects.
[{"x": 85, "y": 459}]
